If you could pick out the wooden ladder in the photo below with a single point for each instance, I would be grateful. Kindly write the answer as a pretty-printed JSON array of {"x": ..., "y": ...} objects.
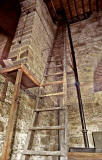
[{"x": 59, "y": 65}]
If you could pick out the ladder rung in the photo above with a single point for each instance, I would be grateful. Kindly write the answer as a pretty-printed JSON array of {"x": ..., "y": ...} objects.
[
  {"x": 50, "y": 109},
  {"x": 43, "y": 153},
  {"x": 56, "y": 56},
  {"x": 48, "y": 128},
  {"x": 55, "y": 66},
  {"x": 52, "y": 94},
  {"x": 52, "y": 83},
  {"x": 55, "y": 74},
  {"x": 55, "y": 61}
]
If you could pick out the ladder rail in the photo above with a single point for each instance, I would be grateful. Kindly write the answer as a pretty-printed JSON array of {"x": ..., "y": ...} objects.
[
  {"x": 65, "y": 98},
  {"x": 62, "y": 152},
  {"x": 30, "y": 136}
]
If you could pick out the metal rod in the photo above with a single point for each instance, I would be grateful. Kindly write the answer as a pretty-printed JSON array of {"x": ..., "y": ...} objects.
[{"x": 84, "y": 130}]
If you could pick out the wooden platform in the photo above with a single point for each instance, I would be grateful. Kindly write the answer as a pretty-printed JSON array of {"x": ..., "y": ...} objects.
[
  {"x": 84, "y": 156},
  {"x": 28, "y": 80}
]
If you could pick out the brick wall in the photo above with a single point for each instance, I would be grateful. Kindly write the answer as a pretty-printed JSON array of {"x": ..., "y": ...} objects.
[
  {"x": 3, "y": 41},
  {"x": 87, "y": 40},
  {"x": 34, "y": 36},
  {"x": 32, "y": 43}
]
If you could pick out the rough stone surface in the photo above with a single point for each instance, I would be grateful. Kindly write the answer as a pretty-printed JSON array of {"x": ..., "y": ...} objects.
[
  {"x": 87, "y": 40},
  {"x": 33, "y": 40},
  {"x": 34, "y": 36}
]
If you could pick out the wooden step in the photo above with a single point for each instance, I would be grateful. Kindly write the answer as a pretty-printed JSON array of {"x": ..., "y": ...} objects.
[
  {"x": 48, "y": 128},
  {"x": 43, "y": 153},
  {"x": 57, "y": 66},
  {"x": 52, "y": 94},
  {"x": 54, "y": 74},
  {"x": 50, "y": 109},
  {"x": 52, "y": 83},
  {"x": 55, "y": 56},
  {"x": 55, "y": 61}
]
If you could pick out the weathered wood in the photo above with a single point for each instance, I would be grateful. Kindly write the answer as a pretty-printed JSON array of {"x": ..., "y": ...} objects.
[
  {"x": 3, "y": 93},
  {"x": 10, "y": 69},
  {"x": 48, "y": 128},
  {"x": 12, "y": 119},
  {"x": 28, "y": 79},
  {"x": 54, "y": 61},
  {"x": 30, "y": 136},
  {"x": 52, "y": 83},
  {"x": 52, "y": 94},
  {"x": 30, "y": 75},
  {"x": 54, "y": 74},
  {"x": 50, "y": 109},
  {"x": 84, "y": 156},
  {"x": 57, "y": 66},
  {"x": 43, "y": 153}
]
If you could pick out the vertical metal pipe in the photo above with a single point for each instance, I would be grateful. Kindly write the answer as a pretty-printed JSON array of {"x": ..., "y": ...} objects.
[{"x": 84, "y": 130}]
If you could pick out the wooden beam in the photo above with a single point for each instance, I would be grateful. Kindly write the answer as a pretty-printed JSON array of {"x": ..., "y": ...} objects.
[
  {"x": 43, "y": 153},
  {"x": 90, "y": 6},
  {"x": 52, "y": 83},
  {"x": 12, "y": 119},
  {"x": 83, "y": 8},
  {"x": 97, "y": 5},
  {"x": 10, "y": 69},
  {"x": 48, "y": 128},
  {"x": 29, "y": 75},
  {"x": 49, "y": 109},
  {"x": 52, "y": 94},
  {"x": 84, "y": 156},
  {"x": 76, "y": 9},
  {"x": 69, "y": 9}
]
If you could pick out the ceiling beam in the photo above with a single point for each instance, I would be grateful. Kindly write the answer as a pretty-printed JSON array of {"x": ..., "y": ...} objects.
[
  {"x": 90, "y": 6},
  {"x": 76, "y": 9},
  {"x": 69, "y": 8},
  {"x": 83, "y": 8},
  {"x": 53, "y": 8},
  {"x": 97, "y": 5}
]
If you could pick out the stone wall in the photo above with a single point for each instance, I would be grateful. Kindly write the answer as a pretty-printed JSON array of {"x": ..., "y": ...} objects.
[
  {"x": 31, "y": 45},
  {"x": 34, "y": 36},
  {"x": 87, "y": 40},
  {"x": 3, "y": 41}
]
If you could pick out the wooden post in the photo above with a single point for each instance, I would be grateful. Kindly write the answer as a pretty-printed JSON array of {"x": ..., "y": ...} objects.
[{"x": 11, "y": 123}]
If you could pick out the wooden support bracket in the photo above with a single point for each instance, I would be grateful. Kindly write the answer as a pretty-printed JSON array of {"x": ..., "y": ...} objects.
[{"x": 12, "y": 119}]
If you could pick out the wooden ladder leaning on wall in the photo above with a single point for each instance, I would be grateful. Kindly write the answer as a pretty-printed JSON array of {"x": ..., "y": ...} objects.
[{"x": 59, "y": 61}]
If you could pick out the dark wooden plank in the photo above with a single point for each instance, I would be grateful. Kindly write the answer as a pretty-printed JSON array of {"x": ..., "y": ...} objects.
[{"x": 12, "y": 119}]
